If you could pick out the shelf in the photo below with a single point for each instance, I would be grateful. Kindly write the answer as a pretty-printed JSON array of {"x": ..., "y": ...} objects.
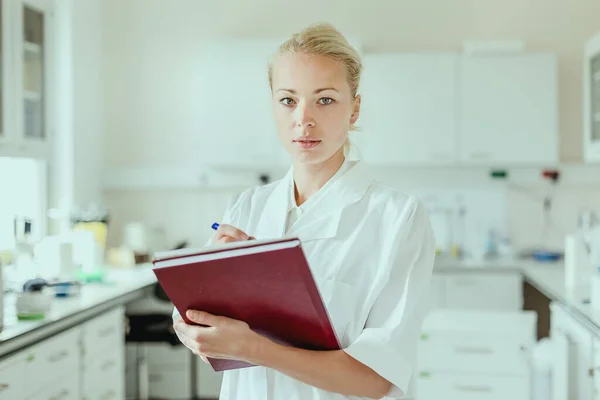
[{"x": 32, "y": 47}]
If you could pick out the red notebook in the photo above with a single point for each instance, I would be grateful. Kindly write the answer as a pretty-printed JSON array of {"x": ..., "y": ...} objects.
[{"x": 267, "y": 284}]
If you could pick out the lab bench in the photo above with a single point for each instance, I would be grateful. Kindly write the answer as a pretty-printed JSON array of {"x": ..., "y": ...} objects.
[{"x": 78, "y": 350}]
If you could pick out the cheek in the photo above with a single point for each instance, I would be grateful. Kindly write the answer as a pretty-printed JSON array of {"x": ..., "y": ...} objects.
[{"x": 335, "y": 121}]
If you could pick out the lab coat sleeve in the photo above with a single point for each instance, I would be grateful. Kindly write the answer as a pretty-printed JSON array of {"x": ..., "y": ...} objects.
[{"x": 390, "y": 337}]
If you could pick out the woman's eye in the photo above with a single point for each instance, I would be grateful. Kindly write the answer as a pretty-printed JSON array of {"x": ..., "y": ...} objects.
[
  {"x": 325, "y": 101},
  {"x": 286, "y": 101}
]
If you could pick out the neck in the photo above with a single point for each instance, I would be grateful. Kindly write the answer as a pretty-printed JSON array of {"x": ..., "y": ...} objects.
[{"x": 308, "y": 178}]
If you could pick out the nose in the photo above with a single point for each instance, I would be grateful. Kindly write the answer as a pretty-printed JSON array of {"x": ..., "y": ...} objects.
[{"x": 304, "y": 117}]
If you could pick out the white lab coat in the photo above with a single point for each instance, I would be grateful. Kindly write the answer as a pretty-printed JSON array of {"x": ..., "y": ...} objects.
[{"x": 371, "y": 250}]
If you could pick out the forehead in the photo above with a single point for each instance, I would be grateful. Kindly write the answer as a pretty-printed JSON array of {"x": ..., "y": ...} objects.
[{"x": 300, "y": 71}]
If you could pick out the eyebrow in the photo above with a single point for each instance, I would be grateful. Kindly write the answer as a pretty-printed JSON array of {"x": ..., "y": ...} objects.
[{"x": 292, "y": 91}]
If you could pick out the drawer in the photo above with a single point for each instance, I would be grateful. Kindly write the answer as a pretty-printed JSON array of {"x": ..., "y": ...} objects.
[
  {"x": 104, "y": 332},
  {"x": 163, "y": 353},
  {"x": 104, "y": 377},
  {"x": 208, "y": 381},
  {"x": 470, "y": 353},
  {"x": 484, "y": 291},
  {"x": 471, "y": 387},
  {"x": 12, "y": 378},
  {"x": 64, "y": 388},
  {"x": 48, "y": 360},
  {"x": 169, "y": 382}
]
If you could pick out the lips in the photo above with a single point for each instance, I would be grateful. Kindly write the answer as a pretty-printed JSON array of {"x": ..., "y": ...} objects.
[{"x": 307, "y": 143}]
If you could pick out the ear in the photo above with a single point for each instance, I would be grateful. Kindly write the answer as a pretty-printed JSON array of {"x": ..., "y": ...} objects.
[{"x": 355, "y": 109}]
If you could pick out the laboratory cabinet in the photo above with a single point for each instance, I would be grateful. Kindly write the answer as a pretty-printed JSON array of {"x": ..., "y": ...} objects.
[
  {"x": 509, "y": 110},
  {"x": 484, "y": 290},
  {"x": 85, "y": 362},
  {"x": 408, "y": 111},
  {"x": 27, "y": 52},
  {"x": 476, "y": 354},
  {"x": 591, "y": 100},
  {"x": 12, "y": 378},
  {"x": 449, "y": 109},
  {"x": 572, "y": 364}
]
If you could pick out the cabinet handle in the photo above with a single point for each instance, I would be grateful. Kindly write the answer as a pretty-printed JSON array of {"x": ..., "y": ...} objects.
[
  {"x": 56, "y": 357},
  {"x": 155, "y": 378},
  {"x": 473, "y": 388},
  {"x": 107, "y": 365},
  {"x": 106, "y": 331},
  {"x": 473, "y": 350},
  {"x": 3, "y": 386}
]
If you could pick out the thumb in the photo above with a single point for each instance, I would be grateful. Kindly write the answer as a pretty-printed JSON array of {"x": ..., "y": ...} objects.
[{"x": 203, "y": 318}]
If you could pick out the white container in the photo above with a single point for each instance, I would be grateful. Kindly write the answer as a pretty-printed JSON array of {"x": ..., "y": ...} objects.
[{"x": 578, "y": 267}]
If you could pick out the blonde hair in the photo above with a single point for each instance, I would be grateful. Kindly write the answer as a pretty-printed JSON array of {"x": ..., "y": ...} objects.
[{"x": 323, "y": 39}]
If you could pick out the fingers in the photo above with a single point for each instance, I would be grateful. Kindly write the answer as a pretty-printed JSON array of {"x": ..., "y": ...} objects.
[
  {"x": 228, "y": 230},
  {"x": 203, "y": 318}
]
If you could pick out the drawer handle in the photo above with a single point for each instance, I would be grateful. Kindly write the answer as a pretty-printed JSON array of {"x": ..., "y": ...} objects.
[
  {"x": 107, "y": 365},
  {"x": 3, "y": 386},
  {"x": 473, "y": 350},
  {"x": 106, "y": 331},
  {"x": 57, "y": 357},
  {"x": 473, "y": 388}
]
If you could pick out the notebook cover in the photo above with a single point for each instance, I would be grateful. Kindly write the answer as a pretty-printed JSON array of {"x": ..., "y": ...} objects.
[{"x": 274, "y": 292}]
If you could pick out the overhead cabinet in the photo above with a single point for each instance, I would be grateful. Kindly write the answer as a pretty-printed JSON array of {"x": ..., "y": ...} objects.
[
  {"x": 27, "y": 62},
  {"x": 444, "y": 109},
  {"x": 408, "y": 113}
]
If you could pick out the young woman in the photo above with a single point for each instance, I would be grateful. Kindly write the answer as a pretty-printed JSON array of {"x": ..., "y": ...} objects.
[{"x": 370, "y": 247}]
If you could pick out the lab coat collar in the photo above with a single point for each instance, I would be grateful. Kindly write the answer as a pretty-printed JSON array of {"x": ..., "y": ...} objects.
[{"x": 321, "y": 219}]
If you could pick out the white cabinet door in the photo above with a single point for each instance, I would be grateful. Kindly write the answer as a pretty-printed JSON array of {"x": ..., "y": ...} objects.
[
  {"x": 236, "y": 124},
  {"x": 12, "y": 377},
  {"x": 472, "y": 386},
  {"x": 64, "y": 388},
  {"x": 484, "y": 291},
  {"x": 408, "y": 110},
  {"x": 208, "y": 382},
  {"x": 591, "y": 99},
  {"x": 574, "y": 343},
  {"x": 509, "y": 110},
  {"x": 596, "y": 368}
]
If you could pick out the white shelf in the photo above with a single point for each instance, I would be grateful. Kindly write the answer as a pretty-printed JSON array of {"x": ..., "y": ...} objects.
[{"x": 32, "y": 47}]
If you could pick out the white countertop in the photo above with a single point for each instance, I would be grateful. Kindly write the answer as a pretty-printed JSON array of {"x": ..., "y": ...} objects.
[
  {"x": 548, "y": 278},
  {"x": 120, "y": 287}
]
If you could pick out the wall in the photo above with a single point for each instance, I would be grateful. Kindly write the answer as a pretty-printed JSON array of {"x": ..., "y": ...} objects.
[
  {"x": 77, "y": 167},
  {"x": 150, "y": 74}
]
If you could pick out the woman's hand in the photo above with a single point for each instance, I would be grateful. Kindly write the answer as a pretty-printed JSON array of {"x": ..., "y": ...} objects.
[
  {"x": 221, "y": 338},
  {"x": 227, "y": 233}
]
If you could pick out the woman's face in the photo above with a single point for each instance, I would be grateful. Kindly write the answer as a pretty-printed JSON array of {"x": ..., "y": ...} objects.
[{"x": 313, "y": 106}]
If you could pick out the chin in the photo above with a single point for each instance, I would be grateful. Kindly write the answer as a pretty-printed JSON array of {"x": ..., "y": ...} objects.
[{"x": 312, "y": 158}]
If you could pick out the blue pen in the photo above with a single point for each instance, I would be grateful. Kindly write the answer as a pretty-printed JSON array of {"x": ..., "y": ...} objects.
[{"x": 215, "y": 226}]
